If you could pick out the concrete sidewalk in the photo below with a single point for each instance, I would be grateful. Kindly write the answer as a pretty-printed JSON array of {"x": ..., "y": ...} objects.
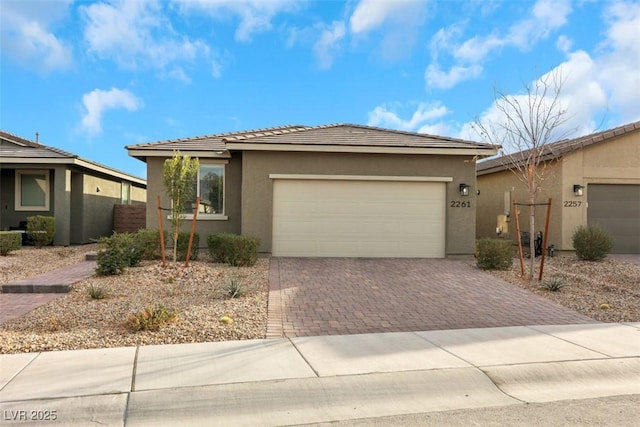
[{"x": 321, "y": 379}]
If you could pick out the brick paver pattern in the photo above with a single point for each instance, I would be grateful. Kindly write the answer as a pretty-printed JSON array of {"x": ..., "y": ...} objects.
[{"x": 330, "y": 296}]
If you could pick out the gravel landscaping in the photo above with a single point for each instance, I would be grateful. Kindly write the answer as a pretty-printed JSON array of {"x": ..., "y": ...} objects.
[{"x": 607, "y": 291}]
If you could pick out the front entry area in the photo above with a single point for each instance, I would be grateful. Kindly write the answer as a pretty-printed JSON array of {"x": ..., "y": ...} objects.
[{"x": 352, "y": 217}]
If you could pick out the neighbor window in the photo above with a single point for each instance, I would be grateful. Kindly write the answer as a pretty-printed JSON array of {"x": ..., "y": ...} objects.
[
  {"x": 32, "y": 190},
  {"x": 209, "y": 186},
  {"x": 125, "y": 193}
]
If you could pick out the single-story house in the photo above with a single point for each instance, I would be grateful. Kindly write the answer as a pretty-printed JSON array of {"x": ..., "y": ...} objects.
[
  {"x": 594, "y": 179},
  {"x": 337, "y": 190},
  {"x": 80, "y": 194}
]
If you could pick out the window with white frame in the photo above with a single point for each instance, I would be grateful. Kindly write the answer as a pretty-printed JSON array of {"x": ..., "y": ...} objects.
[
  {"x": 210, "y": 188},
  {"x": 32, "y": 190}
]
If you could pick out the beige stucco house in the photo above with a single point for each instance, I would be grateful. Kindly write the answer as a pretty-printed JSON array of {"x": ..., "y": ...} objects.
[
  {"x": 80, "y": 194},
  {"x": 330, "y": 191},
  {"x": 594, "y": 179}
]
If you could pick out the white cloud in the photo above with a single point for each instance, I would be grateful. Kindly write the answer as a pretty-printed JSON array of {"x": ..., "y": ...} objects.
[
  {"x": 436, "y": 78},
  {"x": 26, "y": 36},
  {"x": 546, "y": 17},
  {"x": 255, "y": 15},
  {"x": 98, "y": 101},
  {"x": 564, "y": 44},
  {"x": 401, "y": 20},
  {"x": 387, "y": 117},
  {"x": 326, "y": 46},
  {"x": 136, "y": 34}
]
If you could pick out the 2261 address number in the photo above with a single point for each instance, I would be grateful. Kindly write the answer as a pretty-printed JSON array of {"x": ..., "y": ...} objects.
[{"x": 460, "y": 204}]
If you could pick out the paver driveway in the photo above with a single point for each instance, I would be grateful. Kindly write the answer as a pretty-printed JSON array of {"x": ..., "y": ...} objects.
[{"x": 327, "y": 296}]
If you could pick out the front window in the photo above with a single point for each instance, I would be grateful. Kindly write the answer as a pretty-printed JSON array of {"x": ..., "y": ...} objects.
[
  {"x": 32, "y": 190},
  {"x": 125, "y": 193},
  {"x": 209, "y": 186}
]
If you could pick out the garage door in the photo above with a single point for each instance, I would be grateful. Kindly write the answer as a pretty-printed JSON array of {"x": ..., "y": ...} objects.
[
  {"x": 358, "y": 218},
  {"x": 617, "y": 209}
]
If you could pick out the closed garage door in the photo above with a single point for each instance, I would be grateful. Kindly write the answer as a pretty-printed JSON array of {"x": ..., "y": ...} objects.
[
  {"x": 353, "y": 218},
  {"x": 617, "y": 209}
]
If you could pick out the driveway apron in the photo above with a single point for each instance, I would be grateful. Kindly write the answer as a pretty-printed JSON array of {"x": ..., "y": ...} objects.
[{"x": 330, "y": 296}]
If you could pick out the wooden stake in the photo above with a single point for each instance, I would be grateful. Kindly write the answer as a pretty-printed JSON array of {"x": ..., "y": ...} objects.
[
  {"x": 164, "y": 262},
  {"x": 517, "y": 215},
  {"x": 544, "y": 243},
  {"x": 192, "y": 232}
]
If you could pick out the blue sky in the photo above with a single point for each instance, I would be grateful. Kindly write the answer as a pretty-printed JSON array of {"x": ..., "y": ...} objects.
[{"x": 94, "y": 76}]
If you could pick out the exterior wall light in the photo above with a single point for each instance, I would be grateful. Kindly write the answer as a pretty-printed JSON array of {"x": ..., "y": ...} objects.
[
  {"x": 464, "y": 189},
  {"x": 577, "y": 189}
]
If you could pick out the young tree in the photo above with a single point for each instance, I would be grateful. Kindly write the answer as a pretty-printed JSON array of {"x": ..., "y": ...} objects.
[
  {"x": 525, "y": 125},
  {"x": 179, "y": 177}
]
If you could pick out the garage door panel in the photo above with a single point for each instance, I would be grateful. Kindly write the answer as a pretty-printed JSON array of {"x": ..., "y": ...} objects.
[
  {"x": 358, "y": 218},
  {"x": 616, "y": 207}
]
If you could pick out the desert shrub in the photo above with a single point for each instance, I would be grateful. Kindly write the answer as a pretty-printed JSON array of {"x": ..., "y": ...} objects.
[
  {"x": 183, "y": 245},
  {"x": 97, "y": 292},
  {"x": 121, "y": 251},
  {"x": 494, "y": 254},
  {"x": 554, "y": 284},
  {"x": 233, "y": 249},
  {"x": 41, "y": 230},
  {"x": 592, "y": 243},
  {"x": 151, "y": 318},
  {"x": 9, "y": 241},
  {"x": 149, "y": 243},
  {"x": 235, "y": 289}
]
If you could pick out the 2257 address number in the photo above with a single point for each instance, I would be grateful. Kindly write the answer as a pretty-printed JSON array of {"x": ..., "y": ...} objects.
[{"x": 572, "y": 204}]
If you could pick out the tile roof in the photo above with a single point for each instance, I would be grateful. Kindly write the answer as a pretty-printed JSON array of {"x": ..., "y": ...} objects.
[
  {"x": 20, "y": 149},
  {"x": 325, "y": 135},
  {"x": 557, "y": 149}
]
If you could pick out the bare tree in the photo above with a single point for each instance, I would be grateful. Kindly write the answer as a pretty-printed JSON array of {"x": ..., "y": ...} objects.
[{"x": 525, "y": 125}]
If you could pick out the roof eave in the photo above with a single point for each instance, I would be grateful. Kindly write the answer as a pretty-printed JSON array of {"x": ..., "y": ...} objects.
[{"x": 472, "y": 151}]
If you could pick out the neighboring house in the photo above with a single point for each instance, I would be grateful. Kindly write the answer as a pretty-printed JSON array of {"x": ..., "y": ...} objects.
[
  {"x": 80, "y": 194},
  {"x": 594, "y": 179},
  {"x": 332, "y": 191}
]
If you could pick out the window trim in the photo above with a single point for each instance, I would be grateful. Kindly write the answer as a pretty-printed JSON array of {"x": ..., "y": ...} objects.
[{"x": 18, "y": 190}]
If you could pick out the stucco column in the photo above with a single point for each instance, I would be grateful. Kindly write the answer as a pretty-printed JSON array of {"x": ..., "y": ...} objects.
[{"x": 62, "y": 205}]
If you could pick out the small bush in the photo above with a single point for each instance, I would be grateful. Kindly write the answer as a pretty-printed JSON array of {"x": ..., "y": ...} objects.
[
  {"x": 41, "y": 230},
  {"x": 183, "y": 245},
  {"x": 494, "y": 254},
  {"x": 235, "y": 289},
  {"x": 151, "y": 318},
  {"x": 592, "y": 243},
  {"x": 233, "y": 249},
  {"x": 149, "y": 243},
  {"x": 122, "y": 251},
  {"x": 97, "y": 292},
  {"x": 9, "y": 241},
  {"x": 554, "y": 284}
]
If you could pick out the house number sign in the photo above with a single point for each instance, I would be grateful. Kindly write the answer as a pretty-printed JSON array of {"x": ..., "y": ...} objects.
[{"x": 460, "y": 204}]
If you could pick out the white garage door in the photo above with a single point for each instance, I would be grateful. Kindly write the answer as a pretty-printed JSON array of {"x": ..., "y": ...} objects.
[{"x": 352, "y": 218}]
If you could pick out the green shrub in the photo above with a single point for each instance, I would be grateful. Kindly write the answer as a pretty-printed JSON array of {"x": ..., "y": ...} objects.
[
  {"x": 9, "y": 241},
  {"x": 122, "y": 250},
  {"x": 233, "y": 249},
  {"x": 151, "y": 318},
  {"x": 592, "y": 243},
  {"x": 183, "y": 245},
  {"x": 149, "y": 243},
  {"x": 554, "y": 284},
  {"x": 494, "y": 254},
  {"x": 41, "y": 230}
]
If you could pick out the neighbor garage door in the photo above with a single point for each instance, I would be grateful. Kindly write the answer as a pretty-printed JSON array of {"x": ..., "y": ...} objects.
[
  {"x": 358, "y": 218},
  {"x": 617, "y": 209}
]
